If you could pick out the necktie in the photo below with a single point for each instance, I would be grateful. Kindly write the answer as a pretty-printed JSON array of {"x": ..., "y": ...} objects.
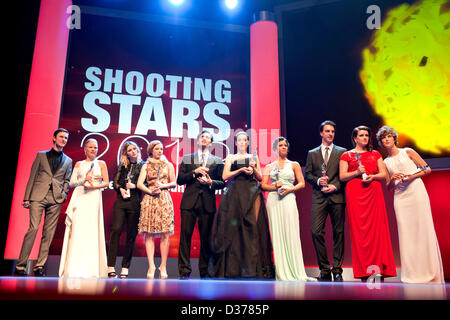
[
  {"x": 326, "y": 155},
  {"x": 203, "y": 160}
]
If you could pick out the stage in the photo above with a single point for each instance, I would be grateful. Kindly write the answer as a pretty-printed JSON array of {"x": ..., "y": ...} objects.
[{"x": 53, "y": 288}]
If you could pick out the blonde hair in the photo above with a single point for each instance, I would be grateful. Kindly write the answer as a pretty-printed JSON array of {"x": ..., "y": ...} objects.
[
  {"x": 90, "y": 140},
  {"x": 124, "y": 157}
]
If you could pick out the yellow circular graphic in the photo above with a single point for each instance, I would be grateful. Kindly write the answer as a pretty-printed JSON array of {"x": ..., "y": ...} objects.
[{"x": 406, "y": 73}]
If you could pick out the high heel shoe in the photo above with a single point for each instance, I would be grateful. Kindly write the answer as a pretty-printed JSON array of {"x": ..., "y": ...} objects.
[
  {"x": 151, "y": 272},
  {"x": 163, "y": 273}
]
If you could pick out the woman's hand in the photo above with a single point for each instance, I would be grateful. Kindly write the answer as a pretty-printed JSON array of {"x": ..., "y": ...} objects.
[
  {"x": 130, "y": 185},
  {"x": 282, "y": 191},
  {"x": 247, "y": 170},
  {"x": 124, "y": 193},
  {"x": 88, "y": 178},
  {"x": 361, "y": 169},
  {"x": 397, "y": 176},
  {"x": 369, "y": 179},
  {"x": 154, "y": 191},
  {"x": 407, "y": 178}
]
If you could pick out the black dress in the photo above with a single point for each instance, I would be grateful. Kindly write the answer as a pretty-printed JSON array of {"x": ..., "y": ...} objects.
[{"x": 241, "y": 242}]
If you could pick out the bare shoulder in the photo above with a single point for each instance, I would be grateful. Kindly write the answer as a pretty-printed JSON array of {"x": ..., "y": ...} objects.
[
  {"x": 78, "y": 164},
  {"x": 230, "y": 158},
  {"x": 295, "y": 164},
  {"x": 269, "y": 167},
  {"x": 169, "y": 165},
  {"x": 102, "y": 163}
]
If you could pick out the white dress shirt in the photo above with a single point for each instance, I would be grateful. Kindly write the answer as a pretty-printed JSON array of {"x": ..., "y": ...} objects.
[{"x": 322, "y": 149}]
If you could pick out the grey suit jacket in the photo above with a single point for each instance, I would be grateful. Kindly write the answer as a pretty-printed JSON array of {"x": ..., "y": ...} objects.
[
  {"x": 41, "y": 178},
  {"x": 313, "y": 172}
]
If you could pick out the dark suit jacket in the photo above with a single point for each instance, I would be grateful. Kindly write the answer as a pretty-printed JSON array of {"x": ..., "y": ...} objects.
[
  {"x": 41, "y": 178},
  {"x": 313, "y": 172},
  {"x": 195, "y": 189}
]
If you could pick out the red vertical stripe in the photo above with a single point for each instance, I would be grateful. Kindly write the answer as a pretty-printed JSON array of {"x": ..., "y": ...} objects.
[
  {"x": 41, "y": 113},
  {"x": 265, "y": 91}
]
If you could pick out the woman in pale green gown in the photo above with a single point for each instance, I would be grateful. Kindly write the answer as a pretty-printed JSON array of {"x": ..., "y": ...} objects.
[{"x": 279, "y": 178}]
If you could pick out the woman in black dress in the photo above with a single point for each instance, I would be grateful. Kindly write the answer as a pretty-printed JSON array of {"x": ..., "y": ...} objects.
[
  {"x": 126, "y": 207},
  {"x": 240, "y": 237}
]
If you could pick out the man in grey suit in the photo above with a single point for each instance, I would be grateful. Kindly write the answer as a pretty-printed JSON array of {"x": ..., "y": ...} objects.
[
  {"x": 322, "y": 172},
  {"x": 47, "y": 189}
]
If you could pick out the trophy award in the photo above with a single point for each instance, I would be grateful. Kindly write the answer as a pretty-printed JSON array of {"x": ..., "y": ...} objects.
[
  {"x": 419, "y": 169},
  {"x": 357, "y": 157},
  {"x": 254, "y": 157},
  {"x": 203, "y": 164},
  {"x": 129, "y": 176},
  {"x": 158, "y": 173},
  {"x": 277, "y": 176},
  {"x": 255, "y": 154},
  {"x": 324, "y": 173},
  {"x": 86, "y": 183}
]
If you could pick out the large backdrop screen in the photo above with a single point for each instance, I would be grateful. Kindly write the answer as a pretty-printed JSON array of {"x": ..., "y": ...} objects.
[
  {"x": 339, "y": 65},
  {"x": 371, "y": 63},
  {"x": 140, "y": 78}
]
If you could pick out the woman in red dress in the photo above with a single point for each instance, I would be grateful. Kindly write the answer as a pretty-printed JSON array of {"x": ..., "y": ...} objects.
[{"x": 364, "y": 170}]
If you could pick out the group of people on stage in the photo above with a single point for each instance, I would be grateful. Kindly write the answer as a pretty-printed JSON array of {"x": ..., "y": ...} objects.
[{"x": 237, "y": 239}]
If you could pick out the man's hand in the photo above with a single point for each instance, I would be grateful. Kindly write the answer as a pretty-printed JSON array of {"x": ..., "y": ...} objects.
[
  {"x": 201, "y": 170},
  {"x": 26, "y": 204},
  {"x": 329, "y": 189},
  {"x": 323, "y": 181},
  {"x": 206, "y": 179}
]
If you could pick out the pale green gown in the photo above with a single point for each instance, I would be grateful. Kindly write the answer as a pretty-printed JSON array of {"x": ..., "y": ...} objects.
[{"x": 285, "y": 229}]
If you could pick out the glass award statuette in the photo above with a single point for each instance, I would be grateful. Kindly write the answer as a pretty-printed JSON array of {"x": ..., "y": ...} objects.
[
  {"x": 419, "y": 169},
  {"x": 357, "y": 157},
  {"x": 324, "y": 173},
  {"x": 158, "y": 173},
  {"x": 203, "y": 164},
  {"x": 86, "y": 183},
  {"x": 277, "y": 176},
  {"x": 129, "y": 177}
]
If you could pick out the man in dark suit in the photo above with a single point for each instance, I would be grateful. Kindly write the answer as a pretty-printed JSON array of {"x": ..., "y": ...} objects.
[
  {"x": 47, "y": 189},
  {"x": 201, "y": 172},
  {"x": 322, "y": 172}
]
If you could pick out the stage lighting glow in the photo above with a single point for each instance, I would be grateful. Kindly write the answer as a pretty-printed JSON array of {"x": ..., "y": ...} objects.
[
  {"x": 176, "y": 2},
  {"x": 406, "y": 73},
  {"x": 231, "y": 4}
]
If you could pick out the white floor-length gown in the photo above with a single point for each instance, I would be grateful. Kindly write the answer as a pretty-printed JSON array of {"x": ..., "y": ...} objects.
[
  {"x": 84, "y": 250},
  {"x": 419, "y": 248}
]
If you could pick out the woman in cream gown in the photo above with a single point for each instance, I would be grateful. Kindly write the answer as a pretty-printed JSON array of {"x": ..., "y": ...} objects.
[
  {"x": 419, "y": 248},
  {"x": 84, "y": 251}
]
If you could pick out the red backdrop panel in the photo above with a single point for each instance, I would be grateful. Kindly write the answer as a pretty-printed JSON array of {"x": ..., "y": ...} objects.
[{"x": 41, "y": 113}]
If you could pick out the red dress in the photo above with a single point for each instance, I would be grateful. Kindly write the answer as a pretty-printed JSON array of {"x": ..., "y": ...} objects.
[{"x": 369, "y": 229}]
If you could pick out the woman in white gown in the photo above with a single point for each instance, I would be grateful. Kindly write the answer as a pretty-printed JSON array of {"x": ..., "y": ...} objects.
[
  {"x": 84, "y": 250},
  {"x": 283, "y": 213},
  {"x": 419, "y": 248}
]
